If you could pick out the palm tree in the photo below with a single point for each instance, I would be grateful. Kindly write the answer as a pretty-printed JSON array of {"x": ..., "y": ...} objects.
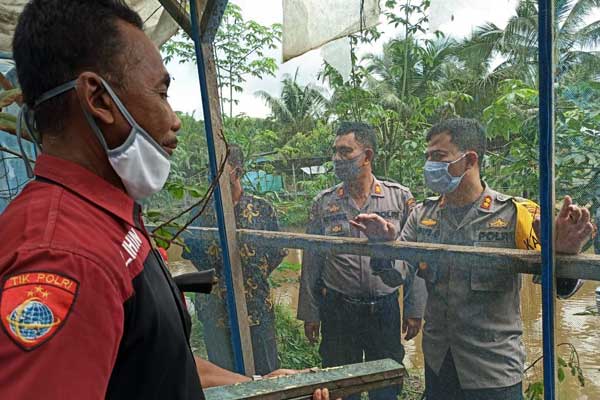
[
  {"x": 297, "y": 109},
  {"x": 408, "y": 67},
  {"x": 516, "y": 46}
]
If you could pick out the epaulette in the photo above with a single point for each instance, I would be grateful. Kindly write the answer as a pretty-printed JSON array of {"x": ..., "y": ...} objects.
[
  {"x": 395, "y": 185},
  {"x": 329, "y": 190},
  {"x": 503, "y": 198}
]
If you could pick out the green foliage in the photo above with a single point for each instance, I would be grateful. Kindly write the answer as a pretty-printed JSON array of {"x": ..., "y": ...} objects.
[
  {"x": 240, "y": 51},
  {"x": 295, "y": 351},
  {"x": 8, "y": 96},
  {"x": 535, "y": 389},
  {"x": 297, "y": 109}
]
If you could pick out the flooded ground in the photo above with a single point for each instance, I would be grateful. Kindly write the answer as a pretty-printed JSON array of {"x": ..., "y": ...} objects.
[{"x": 583, "y": 332}]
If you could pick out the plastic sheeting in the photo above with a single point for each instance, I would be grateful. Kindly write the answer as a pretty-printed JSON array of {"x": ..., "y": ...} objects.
[
  {"x": 158, "y": 23},
  {"x": 338, "y": 54},
  {"x": 309, "y": 24},
  {"x": 459, "y": 13}
]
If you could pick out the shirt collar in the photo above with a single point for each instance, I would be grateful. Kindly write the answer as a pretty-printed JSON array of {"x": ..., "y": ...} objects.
[
  {"x": 485, "y": 202},
  {"x": 376, "y": 189},
  {"x": 88, "y": 185}
]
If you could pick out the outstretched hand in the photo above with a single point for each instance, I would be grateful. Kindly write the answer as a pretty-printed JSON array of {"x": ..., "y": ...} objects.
[
  {"x": 374, "y": 227},
  {"x": 573, "y": 227}
]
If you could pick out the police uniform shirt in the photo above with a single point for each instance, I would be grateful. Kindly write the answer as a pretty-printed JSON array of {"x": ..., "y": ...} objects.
[
  {"x": 474, "y": 311},
  {"x": 349, "y": 274},
  {"x": 88, "y": 309}
]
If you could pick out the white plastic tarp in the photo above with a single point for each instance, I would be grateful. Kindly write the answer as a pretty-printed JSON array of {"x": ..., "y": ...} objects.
[
  {"x": 338, "y": 54},
  {"x": 158, "y": 23},
  {"x": 309, "y": 24},
  {"x": 463, "y": 15}
]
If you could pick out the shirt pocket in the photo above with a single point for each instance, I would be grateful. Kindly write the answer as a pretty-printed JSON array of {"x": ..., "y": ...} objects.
[{"x": 340, "y": 227}]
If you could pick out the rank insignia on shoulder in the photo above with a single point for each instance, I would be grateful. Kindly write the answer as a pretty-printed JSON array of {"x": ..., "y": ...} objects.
[
  {"x": 486, "y": 204},
  {"x": 377, "y": 189},
  {"x": 428, "y": 222},
  {"x": 35, "y": 305},
  {"x": 333, "y": 208},
  {"x": 498, "y": 223}
]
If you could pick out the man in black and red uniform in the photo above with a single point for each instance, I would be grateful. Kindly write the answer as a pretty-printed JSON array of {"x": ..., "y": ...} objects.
[{"x": 88, "y": 309}]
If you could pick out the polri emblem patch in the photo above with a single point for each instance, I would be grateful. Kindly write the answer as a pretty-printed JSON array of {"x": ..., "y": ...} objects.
[{"x": 35, "y": 305}]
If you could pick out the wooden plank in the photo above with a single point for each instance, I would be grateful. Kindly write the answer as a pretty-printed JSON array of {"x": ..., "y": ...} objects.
[
  {"x": 228, "y": 208},
  {"x": 179, "y": 14},
  {"x": 341, "y": 381},
  {"x": 583, "y": 266}
]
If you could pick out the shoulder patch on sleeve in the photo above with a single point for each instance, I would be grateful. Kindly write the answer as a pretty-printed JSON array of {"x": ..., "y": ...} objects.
[{"x": 35, "y": 305}]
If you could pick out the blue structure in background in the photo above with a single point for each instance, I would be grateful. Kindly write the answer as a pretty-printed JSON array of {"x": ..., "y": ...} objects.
[
  {"x": 13, "y": 175},
  {"x": 262, "y": 181}
]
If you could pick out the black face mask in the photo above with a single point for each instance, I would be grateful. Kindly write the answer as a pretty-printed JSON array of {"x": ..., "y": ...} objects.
[{"x": 347, "y": 170}]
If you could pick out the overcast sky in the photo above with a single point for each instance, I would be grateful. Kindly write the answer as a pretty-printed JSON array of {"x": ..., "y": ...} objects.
[{"x": 185, "y": 89}]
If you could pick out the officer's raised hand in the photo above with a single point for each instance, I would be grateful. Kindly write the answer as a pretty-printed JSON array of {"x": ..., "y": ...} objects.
[
  {"x": 375, "y": 227},
  {"x": 573, "y": 227}
]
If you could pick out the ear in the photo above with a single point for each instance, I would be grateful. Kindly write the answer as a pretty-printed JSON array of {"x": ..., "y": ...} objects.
[
  {"x": 369, "y": 154},
  {"x": 94, "y": 98},
  {"x": 472, "y": 159}
]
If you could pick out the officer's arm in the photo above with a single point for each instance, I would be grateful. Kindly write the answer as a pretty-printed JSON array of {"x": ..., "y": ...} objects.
[
  {"x": 213, "y": 375},
  {"x": 527, "y": 239},
  {"x": 415, "y": 290},
  {"x": 312, "y": 264},
  {"x": 63, "y": 322}
]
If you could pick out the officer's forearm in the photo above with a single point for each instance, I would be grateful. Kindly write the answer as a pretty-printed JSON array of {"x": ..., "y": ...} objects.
[{"x": 212, "y": 375}]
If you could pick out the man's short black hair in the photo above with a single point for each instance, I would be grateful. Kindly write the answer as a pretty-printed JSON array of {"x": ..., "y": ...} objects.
[
  {"x": 236, "y": 156},
  {"x": 364, "y": 133},
  {"x": 467, "y": 134},
  {"x": 56, "y": 40}
]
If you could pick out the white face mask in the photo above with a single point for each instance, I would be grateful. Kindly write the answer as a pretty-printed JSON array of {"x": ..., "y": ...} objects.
[{"x": 141, "y": 163}]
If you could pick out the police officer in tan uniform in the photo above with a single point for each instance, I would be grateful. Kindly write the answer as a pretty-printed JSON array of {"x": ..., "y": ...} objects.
[
  {"x": 472, "y": 335},
  {"x": 354, "y": 299}
]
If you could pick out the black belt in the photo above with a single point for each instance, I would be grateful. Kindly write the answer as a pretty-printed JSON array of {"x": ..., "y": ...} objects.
[{"x": 361, "y": 301}]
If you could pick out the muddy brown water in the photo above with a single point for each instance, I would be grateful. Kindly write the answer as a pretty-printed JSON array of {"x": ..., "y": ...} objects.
[{"x": 581, "y": 331}]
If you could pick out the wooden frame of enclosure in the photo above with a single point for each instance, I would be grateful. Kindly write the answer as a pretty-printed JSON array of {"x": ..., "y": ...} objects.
[{"x": 209, "y": 14}]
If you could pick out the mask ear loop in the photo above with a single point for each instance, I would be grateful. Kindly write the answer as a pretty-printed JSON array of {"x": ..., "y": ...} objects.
[{"x": 20, "y": 142}]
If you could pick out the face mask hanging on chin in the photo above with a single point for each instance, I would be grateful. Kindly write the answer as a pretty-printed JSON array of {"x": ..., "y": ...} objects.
[{"x": 141, "y": 164}]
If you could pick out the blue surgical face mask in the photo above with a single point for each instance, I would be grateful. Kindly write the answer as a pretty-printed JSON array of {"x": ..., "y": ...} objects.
[{"x": 438, "y": 179}]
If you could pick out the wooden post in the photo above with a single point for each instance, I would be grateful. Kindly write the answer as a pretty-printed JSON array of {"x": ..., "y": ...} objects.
[{"x": 219, "y": 149}]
